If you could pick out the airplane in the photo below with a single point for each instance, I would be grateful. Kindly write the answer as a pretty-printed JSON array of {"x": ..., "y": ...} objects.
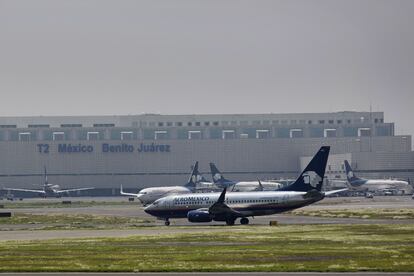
[
  {"x": 241, "y": 186},
  {"x": 149, "y": 195},
  {"x": 206, "y": 207},
  {"x": 375, "y": 185},
  {"x": 49, "y": 190}
]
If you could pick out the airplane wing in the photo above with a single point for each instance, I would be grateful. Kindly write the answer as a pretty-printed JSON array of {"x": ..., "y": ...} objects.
[
  {"x": 74, "y": 190},
  {"x": 127, "y": 194},
  {"x": 335, "y": 191},
  {"x": 220, "y": 209},
  {"x": 24, "y": 190}
]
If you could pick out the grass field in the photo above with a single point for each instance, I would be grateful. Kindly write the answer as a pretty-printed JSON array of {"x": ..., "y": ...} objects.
[
  {"x": 238, "y": 248},
  {"x": 361, "y": 213},
  {"x": 22, "y": 221}
]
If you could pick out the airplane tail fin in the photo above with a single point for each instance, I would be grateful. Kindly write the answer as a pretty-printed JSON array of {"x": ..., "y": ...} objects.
[
  {"x": 195, "y": 177},
  {"x": 45, "y": 177},
  {"x": 312, "y": 176},
  {"x": 218, "y": 177},
  {"x": 350, "y": 176}
]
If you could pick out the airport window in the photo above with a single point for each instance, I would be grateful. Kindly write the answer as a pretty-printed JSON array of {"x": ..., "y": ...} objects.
[
  {"x": 383, "y": 131},
  {"x": 364, "y": 132},
  {"x": 244, "y": 135},
  {"x": 197, "y": 123},
  {"x": 282, "y": 133},
  {"x": 284, "y": 122},
  {"x": 256, "y": 122},
  {"x": 151, "y": 124},
  {"x": 144, "y": 124},
  {"x": 233, "y": 123},
  {"x": 189, "y": 124},
  {"x": 321, "y": 122},
  {"x": 194, "y": 134},
  {"x": 309, "y": 122},
  {"x": 339, "y": 122},
  {"x": 293, "y": 122},
  {"x": 25, "y": 136},
  {"x": 8, "y": 126},
  {"x": 302, "y": 122},
  {"x": 381, "y": 120},
  {"x": 331, "y": 122},
  {"x": 103, "y": 125},
  {"x": 275, "y": 122},
  {"x": 206, "y": 123},
  {"x": 92, "y": 136},
  {"x": 160, "y": 135},
  {"x": 266, "y": 122},
  {"x": 224, "y": 123},
  {"x": 215, "y": 123},
  {"x": 228, "y": 134},
  {"x": 179, "y": 124},
  {"x": 35, "y": 126},
  {"x": 58, "y": 136},
  {"x": 262, "y": 134},
  {"x": 71, "y": 125},
  {"x": 127, "y": 135},
  {"x": 296, "y": 133},
  {"x": 350, "y": 131},
  {"x": 135, "y": 124},
  {"x": 169, "y": 124},
  {"x": 160, "y": 124},
  {"x": 376, "y": 120},
  {"x": 329, "y": 132},
  {"x": 348, "y": 121}
]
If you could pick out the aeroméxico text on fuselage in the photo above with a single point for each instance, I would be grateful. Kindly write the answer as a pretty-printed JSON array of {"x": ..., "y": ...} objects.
[
  {"x": 374, "y": 185},
  {"x": 206, "y": 207},
  {"x": 149, "y": 195}
]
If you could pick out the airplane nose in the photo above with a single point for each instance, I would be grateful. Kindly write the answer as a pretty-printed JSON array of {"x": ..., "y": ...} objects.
[{"x": 149, "y": 209}]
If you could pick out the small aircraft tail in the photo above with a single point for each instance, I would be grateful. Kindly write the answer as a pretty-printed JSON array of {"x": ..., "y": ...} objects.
[
  {"x": 195, "y": 178},
  {"x": 312, "y": 176},
  {"x": 218, "y": 177},
  {"x": 45, "y": 183},
  {"x": 350, "y": 176}
]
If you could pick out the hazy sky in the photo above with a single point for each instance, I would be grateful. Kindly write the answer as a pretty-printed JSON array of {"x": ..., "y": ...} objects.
[{"x": 84, "y": 57}]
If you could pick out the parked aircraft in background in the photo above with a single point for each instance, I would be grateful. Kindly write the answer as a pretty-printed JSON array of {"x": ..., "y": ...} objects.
[
  {"x": 241, "y": 186},
  {"x": 206, "y": 207},
  {"x": 384, "y": 186},
  {"x": 49, "y": 190},
  {"x": 149, "y": 195}
]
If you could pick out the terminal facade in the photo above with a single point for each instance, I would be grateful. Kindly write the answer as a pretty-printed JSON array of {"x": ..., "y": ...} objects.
[{"x": 147, "y": 150}]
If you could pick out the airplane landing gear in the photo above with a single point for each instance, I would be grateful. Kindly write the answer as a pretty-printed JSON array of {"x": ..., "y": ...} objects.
[
  {"x": 167, "y": 222},
  {"x": 230, "y": 221},
  {"x": 244, "y": 221}
]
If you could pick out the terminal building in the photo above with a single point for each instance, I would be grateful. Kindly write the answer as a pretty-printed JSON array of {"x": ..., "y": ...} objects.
[{"x": 146, "y": 150}]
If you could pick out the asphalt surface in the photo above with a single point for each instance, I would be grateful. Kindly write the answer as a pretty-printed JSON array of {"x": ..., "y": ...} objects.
[
  {"x": 216, "y": 274},
  {"x": 136, "y": 211}
]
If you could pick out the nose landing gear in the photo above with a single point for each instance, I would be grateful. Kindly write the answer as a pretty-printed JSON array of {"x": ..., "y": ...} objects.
[{"x": 167, "y": 222}]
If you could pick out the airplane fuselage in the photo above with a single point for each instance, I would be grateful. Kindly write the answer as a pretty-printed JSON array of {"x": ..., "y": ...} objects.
[
  {"x": 149, "y": 195},
  {"x": 246, "y": 203},
  {"x": 373, "y": 185}
]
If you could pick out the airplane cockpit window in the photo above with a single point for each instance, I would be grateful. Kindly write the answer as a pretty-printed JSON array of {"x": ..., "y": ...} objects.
[{"x": 143, "y": 193}]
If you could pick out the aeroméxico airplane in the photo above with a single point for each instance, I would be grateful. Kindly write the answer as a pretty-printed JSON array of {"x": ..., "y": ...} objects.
[
  {"x": 149, "y": 195},
  {"x": 373, "y": 185},
  {"x": 206, "y": 207},
  {"x": 49, "y": 190},
  {"x": 241, "y": 186}
]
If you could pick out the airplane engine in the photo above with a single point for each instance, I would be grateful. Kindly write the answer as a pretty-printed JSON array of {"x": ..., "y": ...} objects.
[{"x": 199, "y": 216}]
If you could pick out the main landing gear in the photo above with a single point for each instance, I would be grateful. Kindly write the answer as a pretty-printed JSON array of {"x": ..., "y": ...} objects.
[
  {"x": 230, "y": 221},
  {"x": 167, "y": 222},
  {"x": 244, "y": 221}
]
